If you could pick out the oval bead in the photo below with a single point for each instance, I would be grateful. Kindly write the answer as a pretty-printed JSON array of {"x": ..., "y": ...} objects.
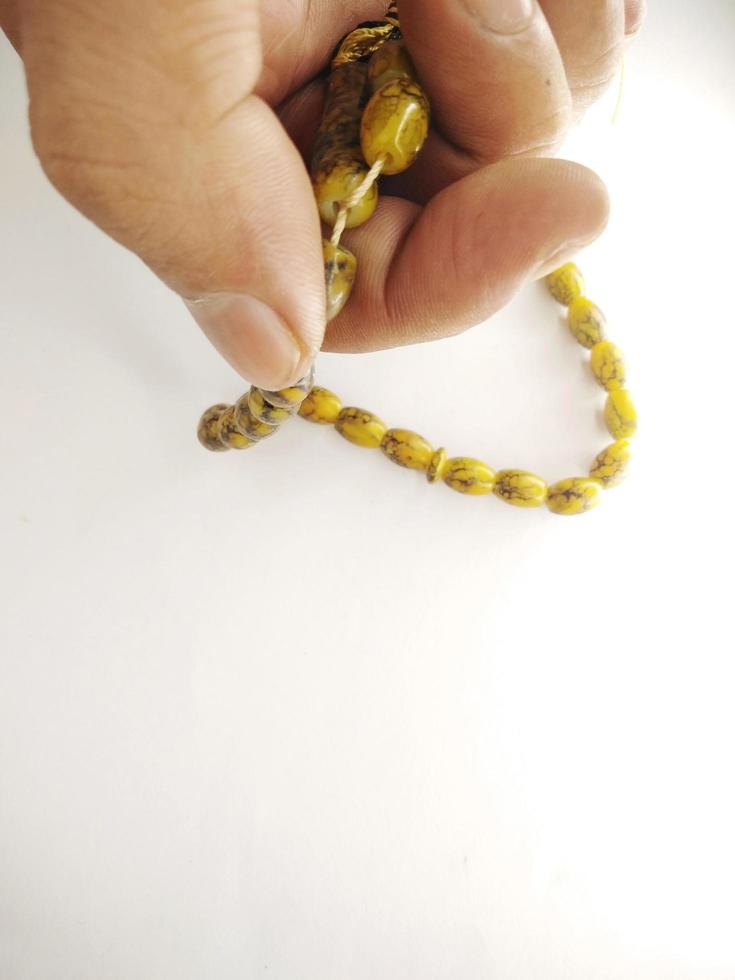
[
  {"x": 395, "y": 125},
  {"x": 576, "y": 495},
  {"x": 565, "y": 283},
  {"x": 321, "y": 406},
  {"x": 340, "y": 267},
  {"x": 437, "y": 466},
  {"x": 263, "y": 411},
  {"x": 210, "y": 427},
  {"x": 407, "y": 449},
  {"x": 332, "y": 185},
  {"x": 231, "y": 435},
  {"x": 586, "y": 321},
  {"x": 470, "y": 476},
  {"x": 611, "y": 465},
  {"x": 360, "y": 427},
  {"x": 249, "y": 426},
  {"x": 621, "y": 417},
  {"x": 390, "y": 61},
  {"x": 290, "y": 397},
  {"x": 608, "y": 365},
  {"x": 521, "y": 488}
]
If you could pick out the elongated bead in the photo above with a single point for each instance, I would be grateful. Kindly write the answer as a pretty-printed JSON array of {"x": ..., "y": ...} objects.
[
  {"x": 608, "y": 366},
  {"x": 521, "y": 488},
  {"x": 437, "y": 466},
  {"x": 360, "y": 427},
  {"x": 586, "y": 321},
  {"x": 611, "y": 465},
  {"x": 231, "y": 436},
  {"x": 565, "y": 283},
  {"x": 470, "y": 476},
  {"x": 621, "y": 417},
  {"x": 340, "y": 266},
  {"x": 263, "y": 411},
  {"x": 395, "y": 125},
  {"x": 407, "y": 449},
  {"x": 337, "y": 166},
  {"x": 321, "y": 406},
  {"x": 210, "y": 427},
  {"x": 575, "y": 495},
  {"x": 249, "y": 426},
  {"x": 292, "y": 396},
  {"x": 390, "y": 61}
]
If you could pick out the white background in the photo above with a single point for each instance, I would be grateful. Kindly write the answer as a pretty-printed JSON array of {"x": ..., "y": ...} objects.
[{"x": 293, "y": 713}]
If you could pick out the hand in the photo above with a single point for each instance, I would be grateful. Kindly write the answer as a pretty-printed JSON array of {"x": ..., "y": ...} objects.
[{"x": 178, "y": 126}]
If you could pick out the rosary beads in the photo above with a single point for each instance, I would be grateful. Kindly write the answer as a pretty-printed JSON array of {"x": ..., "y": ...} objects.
[{"x": 375, "y": 121}]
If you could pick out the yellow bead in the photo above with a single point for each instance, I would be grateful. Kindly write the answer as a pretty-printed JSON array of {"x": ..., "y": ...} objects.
[
  {"x": 437, "y": 466},
  {"x": 395, "y": 125},
  {"x": 321, "y": 406},
  {"x": 611, "y": 465},
  {"x": 470, "y": 476},
  {"x": 231, "y": 435},
  {"x": 621, "y": 417},
  {"x": 210, "y": 427},
  {"x": 407, "y": 449},
  {"x": 290, "y": 397},
  {"x": 340, "y": 266},
  {"x": 390, "y": 61},
  {"x": 331, "y": 186},
  {"x": 337, "y": 165},
  {"x": 360, "y": 427},
  {"x": 248, "y": 425},
  {"x": 565, "y": 283},
  {"x": 521, "y": 488},
  {"x": 608, "y": 366},
  {"x": 263, "y": 411},
  {"x": 576, "y": 495},
  {"x": 586, "y": 321}
]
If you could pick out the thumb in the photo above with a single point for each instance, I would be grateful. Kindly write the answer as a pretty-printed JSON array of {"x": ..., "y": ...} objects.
[{"x": 143, "y": 116}]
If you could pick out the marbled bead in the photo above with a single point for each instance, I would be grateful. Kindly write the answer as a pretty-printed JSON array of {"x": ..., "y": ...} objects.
[
  {"x": 210, "y": 427},
  {"x": 340, "y": 267},
  {"x": 586, "y": 321},
  {"x": 471, "y": 476},
  {"x": 293, "y": 396},
  {"x": 621, "y": 417},
  {"x": 608, "y": 365},
  {"x": 395, "y": 125},
  {"x": 360, "y": 427},
  {"x": 390, "y": 61},
  {"x": 248, "y": 425},
  {"x": 437, "y": 466},
  {"x": 611, "y": 465},
  {"x": 565, "y": 283},
  {"x": 575, "y": 495},
  {"x": 321, "y": 406},
  {"x": 521, "y": 488},
  {"x": 231, "y": 435},
  {"x": 263, "y": 411},
  {"x": 336, "y": 181},
  {"x": 407, "y": 449}
]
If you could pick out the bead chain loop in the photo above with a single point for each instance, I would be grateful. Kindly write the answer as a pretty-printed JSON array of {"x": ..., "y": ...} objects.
[{"x": 375, "y": 121}]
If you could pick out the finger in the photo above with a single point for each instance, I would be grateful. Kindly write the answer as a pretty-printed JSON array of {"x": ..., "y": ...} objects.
[
  {"x": 493, "y": 74},
  {"x": 10, "y": 22},
  {"x": 142, "y": 115},
  {"x": 432, "y": 272},
  {"x": 635, "y": 13},
  {"x": 590, "y": 35}
]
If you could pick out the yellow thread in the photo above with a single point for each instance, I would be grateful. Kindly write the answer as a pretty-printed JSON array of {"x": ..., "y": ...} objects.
[
  {"x": 621, "y": 90},
  {"x": 353, "y": 199}
]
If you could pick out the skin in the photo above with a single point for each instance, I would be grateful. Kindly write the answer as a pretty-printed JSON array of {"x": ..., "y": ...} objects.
[{"x": 181, "y": 128}]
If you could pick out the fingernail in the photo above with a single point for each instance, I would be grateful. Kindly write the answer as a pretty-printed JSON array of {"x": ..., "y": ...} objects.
[
  {"x": 252, "y": 337},
  {"x": 502, "y": 16}
]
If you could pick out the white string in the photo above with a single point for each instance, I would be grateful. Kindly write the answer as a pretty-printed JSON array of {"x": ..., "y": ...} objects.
[{"x": 353, "y": 199}]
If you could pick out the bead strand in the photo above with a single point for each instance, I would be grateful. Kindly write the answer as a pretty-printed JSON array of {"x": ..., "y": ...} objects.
[{"x": 375, "y": 121}]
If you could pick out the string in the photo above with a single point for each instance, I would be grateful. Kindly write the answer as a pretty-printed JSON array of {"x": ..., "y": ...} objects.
[{"x": 353, "y": 199}]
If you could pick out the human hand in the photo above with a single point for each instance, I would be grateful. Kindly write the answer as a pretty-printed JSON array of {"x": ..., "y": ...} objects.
[{"x": 178, "y": 126}]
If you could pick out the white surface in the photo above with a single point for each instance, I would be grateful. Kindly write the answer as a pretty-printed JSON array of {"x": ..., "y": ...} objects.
[{"x": 294, "y": 714}]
